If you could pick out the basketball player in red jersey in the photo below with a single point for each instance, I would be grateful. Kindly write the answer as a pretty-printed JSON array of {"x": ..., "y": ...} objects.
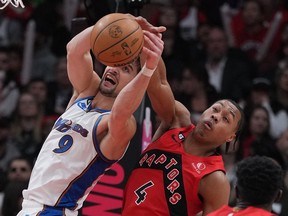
[
  {"x": 259, "y": 181},
  {"x": 180, "y": 172}
]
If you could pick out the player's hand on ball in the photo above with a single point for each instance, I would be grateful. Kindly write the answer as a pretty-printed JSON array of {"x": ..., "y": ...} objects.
[{"x": 153, "y": 48}]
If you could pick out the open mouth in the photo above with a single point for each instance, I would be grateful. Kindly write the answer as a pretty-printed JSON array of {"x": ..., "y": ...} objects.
[{"x": 110, "y": 79}]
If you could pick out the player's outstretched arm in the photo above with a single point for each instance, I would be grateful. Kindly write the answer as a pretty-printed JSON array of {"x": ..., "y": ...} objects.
[
  {"x": 80, "y": 64},
  {"x": 161, "y": 96},
  {"x": 121, "y": 122},
  {"x": 159, "y": 90}
]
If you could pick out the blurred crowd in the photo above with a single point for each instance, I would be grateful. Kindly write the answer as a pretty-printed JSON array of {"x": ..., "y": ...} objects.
[{"x": 236, "y": 49}]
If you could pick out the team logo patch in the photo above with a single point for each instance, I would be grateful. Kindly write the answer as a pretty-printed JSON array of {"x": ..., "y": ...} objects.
[
  {"x": 199, "y": 167},
  {"x": 84, "y": 105}
]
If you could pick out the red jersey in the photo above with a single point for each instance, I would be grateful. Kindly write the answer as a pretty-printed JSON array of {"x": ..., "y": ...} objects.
[
  {"x": 166, "y": 178},
  {"x": 250, "y": 211}
]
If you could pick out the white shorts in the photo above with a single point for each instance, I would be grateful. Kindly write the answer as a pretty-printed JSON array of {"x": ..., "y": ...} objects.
[{"x": 31, "y": 208}]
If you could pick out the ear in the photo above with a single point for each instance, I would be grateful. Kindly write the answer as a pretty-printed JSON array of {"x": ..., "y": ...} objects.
[
  {"x": 231, "y": 138},
  {"x": 279, "y": 195}
]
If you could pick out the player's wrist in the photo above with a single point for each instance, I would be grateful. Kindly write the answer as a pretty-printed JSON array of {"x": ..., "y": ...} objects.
[{"x": 146, "y": 71}]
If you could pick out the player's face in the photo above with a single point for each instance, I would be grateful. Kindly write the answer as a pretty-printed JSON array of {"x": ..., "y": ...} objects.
[
  {"x": 116, "y": 78},
  {"x": 218, "y": 124}
]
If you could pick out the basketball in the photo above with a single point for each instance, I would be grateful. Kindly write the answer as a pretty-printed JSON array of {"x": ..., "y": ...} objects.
[{"x": 116, "y": 40}]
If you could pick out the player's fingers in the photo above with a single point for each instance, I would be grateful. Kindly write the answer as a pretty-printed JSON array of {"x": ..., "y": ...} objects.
[
  {"x": 161, "y": 29},
  {"x": 152, "y": 39},
  {"x": 155, "y": 48}
]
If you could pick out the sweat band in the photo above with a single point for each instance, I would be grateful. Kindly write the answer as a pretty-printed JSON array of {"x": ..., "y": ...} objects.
[{"x": 147, "y": 72}]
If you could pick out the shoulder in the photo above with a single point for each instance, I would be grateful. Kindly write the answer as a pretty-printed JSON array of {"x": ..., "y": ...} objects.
[{"x": 215, "y": 178}]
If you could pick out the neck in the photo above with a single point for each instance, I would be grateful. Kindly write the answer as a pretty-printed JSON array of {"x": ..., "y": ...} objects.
[
  {"x": 197, "y": 148},
  {"x": 103, "y": 102}
]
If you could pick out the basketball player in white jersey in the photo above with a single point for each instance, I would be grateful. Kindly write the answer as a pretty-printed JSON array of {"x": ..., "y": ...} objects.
[{"x": 94, "y": 131}]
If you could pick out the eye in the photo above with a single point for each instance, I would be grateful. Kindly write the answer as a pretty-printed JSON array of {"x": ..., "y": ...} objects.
[
  {"x": 126, "y": 69},
  {"x": 226, "y": 119},
  {"x": 214, "y": 109}
]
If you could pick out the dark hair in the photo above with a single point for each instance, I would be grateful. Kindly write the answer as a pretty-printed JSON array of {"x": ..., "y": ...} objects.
[
  {"x": 259, "y": 179},
  {"x": 240, "y": 124}
]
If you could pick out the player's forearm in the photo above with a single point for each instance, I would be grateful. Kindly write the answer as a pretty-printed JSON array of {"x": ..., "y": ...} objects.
[
  {"x": 79, "y": 61},
  {"x": 131, "y": 96},
  {"x": 161, "y": 95},
  {"x": 80, "y": 44}
]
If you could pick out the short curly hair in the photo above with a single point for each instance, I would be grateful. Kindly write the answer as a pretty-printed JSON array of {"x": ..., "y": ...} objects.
[{"x": 259, "y": 179}]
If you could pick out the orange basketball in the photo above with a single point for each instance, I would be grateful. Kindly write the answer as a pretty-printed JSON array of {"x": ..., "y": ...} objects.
[{"x": 116, "y": 40}]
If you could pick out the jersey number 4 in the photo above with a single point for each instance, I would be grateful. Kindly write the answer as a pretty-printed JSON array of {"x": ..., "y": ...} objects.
[{"x": 141, "y": 192}]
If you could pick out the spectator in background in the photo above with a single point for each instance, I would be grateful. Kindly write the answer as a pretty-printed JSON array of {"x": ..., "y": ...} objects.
[
  {"x": 257, "y": 139},
  {"x": 19, "y": 171},
  {"x": 7, "y": 152},
  {"x": 196, "y": 93},
  {"x": 15, "y": 57},
  {"x": 43, "y": 59},
  {"x": 60, "y": 91},
  {"x": 192, "y": 19},
  {"x": 48, "y": 45},
  {"x": 9, "y": 91},
  {"x": 259, "y": 185},
  {"x": 270, "y": 9},
  {"x": 26, "y": 126},
  {"x": 11, "y": 30},
  {"x": 258, "y": 125},
  {"x": 223, "y": 66},
  {"x": 168, "y": 16},
  {"x": 197, "y": 46},
  {"x": 281, "y": 85},
  {"x": 39, "y": 89},
  {"x": 7, "y": 147},
  {"x": 262, "y": 94},
  {"x": 249, "y": 33}
]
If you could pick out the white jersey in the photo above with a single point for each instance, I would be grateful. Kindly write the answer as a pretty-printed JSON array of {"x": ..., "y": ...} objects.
[{"x": 69, "y": 163}]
